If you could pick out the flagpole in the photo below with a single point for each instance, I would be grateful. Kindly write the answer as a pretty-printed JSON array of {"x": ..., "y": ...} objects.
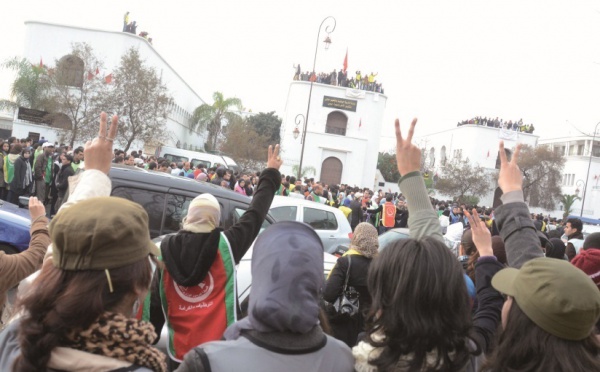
[{"x": 329, "y": 29}]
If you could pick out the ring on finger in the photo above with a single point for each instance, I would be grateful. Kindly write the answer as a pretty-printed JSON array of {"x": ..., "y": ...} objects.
[
  {"x": 102, "y": 137},
  {"x": 110, "y": 139}
]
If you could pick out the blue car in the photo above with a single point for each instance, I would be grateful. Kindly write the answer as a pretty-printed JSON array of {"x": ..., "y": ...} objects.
[{"x": 14, "y": 228}]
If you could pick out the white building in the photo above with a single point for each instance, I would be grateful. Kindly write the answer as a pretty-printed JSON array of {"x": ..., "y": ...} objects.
[
  {"x": 575, "y": 180},
  {"x": 476, "y": 143},
  {"x": 51, "y": 42},
  {"x": 342, "y": 135}
]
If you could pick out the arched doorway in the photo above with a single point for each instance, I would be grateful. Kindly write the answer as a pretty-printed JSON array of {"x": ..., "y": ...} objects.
[
  {"x": 337, "y": 123},
  {"x": 331, "y": 171}
]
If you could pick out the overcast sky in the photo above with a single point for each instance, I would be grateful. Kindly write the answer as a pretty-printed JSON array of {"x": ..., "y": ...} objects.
[{"x": 441, "y": 61}]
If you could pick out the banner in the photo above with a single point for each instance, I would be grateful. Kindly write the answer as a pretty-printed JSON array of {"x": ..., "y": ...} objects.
[
  {"x": 355, "y": 93},
  {"x": 508, "y": 134}
]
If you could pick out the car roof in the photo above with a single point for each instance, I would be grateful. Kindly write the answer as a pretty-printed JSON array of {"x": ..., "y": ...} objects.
[
  {"x": 142, "y": 176},
  {"x": 280, "y": 201}
]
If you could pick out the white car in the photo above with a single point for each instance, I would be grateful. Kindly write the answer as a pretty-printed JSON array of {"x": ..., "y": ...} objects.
[{"x": 330, "y": 223}]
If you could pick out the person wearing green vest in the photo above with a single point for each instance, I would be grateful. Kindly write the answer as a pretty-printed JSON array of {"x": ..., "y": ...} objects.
[
  {"x": 77, "y": 159},
  {"x": 9, "y": 170},
  {"x": 194, "y": 293},
  {"x": 316, "y": 193},
  {"x": 40, "y": 171}
]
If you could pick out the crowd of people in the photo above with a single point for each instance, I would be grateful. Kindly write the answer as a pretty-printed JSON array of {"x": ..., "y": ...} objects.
[
  {"x": 517, "y": 304},
  {"x": 516, "y": 126},
  {"x": 341, "y": 78},
  {"x": 131, "y": 27}
]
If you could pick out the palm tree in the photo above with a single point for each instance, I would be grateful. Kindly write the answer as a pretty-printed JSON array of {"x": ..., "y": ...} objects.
[
  {"x": 567, "y": 202},
  {"x": 30, "y": 86},
  {"x": 211, "y": 117},
  {"x": 306, "y": 170}
]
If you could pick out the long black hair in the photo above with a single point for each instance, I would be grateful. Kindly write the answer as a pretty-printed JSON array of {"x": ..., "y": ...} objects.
[{"x": 420, "y": 306}]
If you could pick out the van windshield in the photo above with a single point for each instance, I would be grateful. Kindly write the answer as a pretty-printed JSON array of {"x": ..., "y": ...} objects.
[
  {"x": 176, "y": 158},
  {"x": 206, "y": 163}
]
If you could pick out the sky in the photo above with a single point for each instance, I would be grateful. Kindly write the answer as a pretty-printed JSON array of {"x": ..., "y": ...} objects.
[{"x": 439, "y": 61}]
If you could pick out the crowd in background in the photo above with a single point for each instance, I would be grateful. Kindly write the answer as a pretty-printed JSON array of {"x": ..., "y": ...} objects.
[
  {"x": 342, "y": 78},
  {"x": 517, "y": 126}
]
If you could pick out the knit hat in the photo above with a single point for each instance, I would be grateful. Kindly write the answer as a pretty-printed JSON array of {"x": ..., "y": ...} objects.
[
  {"x": 554, "y": 294},
  {"x": 365, "y": 239},
  {"x": 589, "y": 261},
  {"x": 592, "y": 241},
  {"x": 100, "y": 233},
  {"x": 204, "y": 214}
]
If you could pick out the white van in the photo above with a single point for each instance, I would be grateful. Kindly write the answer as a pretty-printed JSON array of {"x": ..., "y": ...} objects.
[{"x": 175, "y": 155}]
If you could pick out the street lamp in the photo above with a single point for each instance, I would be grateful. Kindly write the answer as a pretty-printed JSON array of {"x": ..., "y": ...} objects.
[
  {"x": 329, "y": 29},
  {"x": 299, "y": 121},
  {"x": 587, "y": 176},
  {"x": 579, "y": 184}
]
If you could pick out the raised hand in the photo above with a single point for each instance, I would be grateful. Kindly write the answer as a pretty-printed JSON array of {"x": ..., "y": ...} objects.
[
  {"x": 99, "y": 152},
  {"x": 481, "y": 234},
  {"x": 510, "y": 177},
  {"x": 36, "y": 208},
  {"x": 408, "y": 156},
  {"x": 273, "y": 159}
]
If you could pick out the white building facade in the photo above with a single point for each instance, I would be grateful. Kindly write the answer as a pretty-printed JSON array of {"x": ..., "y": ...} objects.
[
  {"x": 575, "y": 179},
  {"x": 342, "y": 133},
  {"x": 51, "y": 42},
  {"x": 476, "y": 143}
]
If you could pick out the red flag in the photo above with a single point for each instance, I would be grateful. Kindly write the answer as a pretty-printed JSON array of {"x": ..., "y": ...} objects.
[
  {"x": 108, "y": 79},
  {"x": 90, "y": 76},
  {"x": 488, "y": 153},
  {"x": 41, "y": 63},
  {"x": 346, "y": 61},
  {"x": 360, "y": 123},
  {"x": 97, "y": 70}
]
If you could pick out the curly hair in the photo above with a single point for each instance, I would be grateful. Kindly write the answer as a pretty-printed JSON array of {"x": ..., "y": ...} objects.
[
  {"x": 523, "y": 346},
  {"x": 420, "y": 305},
  {"x": 61, "y": 301}
]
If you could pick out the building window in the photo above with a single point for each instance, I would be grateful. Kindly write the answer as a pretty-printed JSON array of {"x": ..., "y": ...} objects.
[
  {"x": 457, "y": 154},
  {"x": 336, "y": 123},
  {"x": 69, "y": 71}
]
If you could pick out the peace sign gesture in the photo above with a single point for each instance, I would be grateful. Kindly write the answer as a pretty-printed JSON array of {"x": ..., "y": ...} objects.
[
  {"x": 481, "y": 234},
  {"x": 99, "y": 152},
  {"x": 510, "y": 177},
  {"x": 408, "y": 156}
]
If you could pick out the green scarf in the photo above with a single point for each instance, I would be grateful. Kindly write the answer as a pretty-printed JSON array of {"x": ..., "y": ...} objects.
[
  {"x": 315, "y": 197},
  {"x": 9, "y": 167}
]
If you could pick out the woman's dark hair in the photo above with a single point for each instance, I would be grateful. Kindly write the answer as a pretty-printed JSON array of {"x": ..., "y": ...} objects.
[
  {"x": 469, "y": 249},
  {"x": 63, "y": 301},
  {"x": 419, "y": 305},
  {"x": 523, "y": 346},
  {"x": 555, "y": 248},
  {"x": 16, "y": 149}
]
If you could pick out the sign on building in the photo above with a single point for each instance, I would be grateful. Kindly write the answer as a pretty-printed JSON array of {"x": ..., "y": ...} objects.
[{"x": 339, "y": 103}]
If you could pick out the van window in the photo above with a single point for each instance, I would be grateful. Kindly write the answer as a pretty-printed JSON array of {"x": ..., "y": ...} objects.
[
  {"x": 153, "y": 202},
  {"x": 287, "y": 213},
  {"x": 177, "y": 209},
  {"x": 195, "y": 162},
  {"x": 239, "y": 212},
  {"x": 176, "y": 158},
  {"x": 320, "y": 219}
]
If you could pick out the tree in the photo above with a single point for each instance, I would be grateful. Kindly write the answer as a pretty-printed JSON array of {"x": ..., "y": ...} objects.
[
  {"x": 244, "y": 144},
  {"x": 211, "y": 117},
  {"x": 463, "y": 181},
  {"x": 78, "y": 94},
  {"x": 542, "y": 175},
  {"x": 387, "y": 165},
  {"x": 140, "y": 99},
  {"x": 267, "y": 125},
  {"x": 30, "y": 87},
  {"x": 307, "y": 170},
  {"x": 567, "y": 201}
]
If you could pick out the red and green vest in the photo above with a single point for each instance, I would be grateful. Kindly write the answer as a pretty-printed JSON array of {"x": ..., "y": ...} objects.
[
  {"x": 198, "y": 314},
  {"x": 388, "y": 215}
]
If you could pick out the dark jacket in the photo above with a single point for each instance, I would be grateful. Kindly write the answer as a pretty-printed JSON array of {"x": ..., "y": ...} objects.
[
  {"x": 356, "y": 216},
  {"x": 189, "y": 256},
  {"x": 17, "y": 185},
  {"x": 62, "y": 180},
  {"x": 347, "y": 330},
  {"x": 40, "y": 166}
]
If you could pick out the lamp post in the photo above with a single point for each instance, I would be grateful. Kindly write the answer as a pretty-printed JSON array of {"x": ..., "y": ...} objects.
[
  {"x": 329, "y": 29},
  {"x": 587, "y": 176}
]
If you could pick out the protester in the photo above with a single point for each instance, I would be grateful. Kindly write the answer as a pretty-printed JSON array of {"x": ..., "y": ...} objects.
[
  {"x": 16, "y": 267},
  {"x": 22, "y": 181},
  {"x": 355, "y": 262},
  {"x": 573, "y": 229},
  {"x": 42, "y": 171},
  {"x": 356, "y": 216},
  {"x": 62, "y": 180},
  {"x": 195, "y": 289},
  {"x": 9, "y": 170},
  {"x": 240, "y": 187},
  {"x": 4, "y": 150},
  {"x": 420, "y": 318},
  {"x": 551, "y": 307},
  {"x": 78, "y": 312},
  {"x": 556, "y": 249}
]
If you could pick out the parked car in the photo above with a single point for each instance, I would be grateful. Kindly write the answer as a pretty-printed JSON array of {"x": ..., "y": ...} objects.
[
  {"x": 14, "y": 228},
  {"x": 330, "y": 223}
]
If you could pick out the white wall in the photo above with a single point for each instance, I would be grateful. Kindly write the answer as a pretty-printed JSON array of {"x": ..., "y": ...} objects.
[
  {"x": 357, "y": 150},
  {"x": 50, "y": 42}
]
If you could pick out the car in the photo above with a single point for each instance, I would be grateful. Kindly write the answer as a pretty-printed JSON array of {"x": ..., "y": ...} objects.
[
  {"x": 384, "y": 239},
  {"x": 173, "y": 154},
  {"x": 15, "y": 224},
  {"x": 330, "y": 223}
]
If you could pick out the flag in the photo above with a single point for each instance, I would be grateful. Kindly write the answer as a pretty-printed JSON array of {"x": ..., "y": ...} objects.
[
  {"x": 346, "y": 61},
  {"x": 90, "y": 76},
  {"x": 360, "y": 123},
  {"x": 108, "y": 78},
  {"x": 488, "y": 154},
  {"x": 41, "y": 63},
  {"x": 97, "y": 70}
]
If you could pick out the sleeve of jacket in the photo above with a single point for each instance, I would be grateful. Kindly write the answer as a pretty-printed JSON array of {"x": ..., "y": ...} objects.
[
  {"x": 19, "y": 175},
  {"x": 335, "y": 281},
  {"x": 38, "y": 167},
  {"x": 488, "y": 314},
  {"x": 157, "y": 317},
  {"x": 422, "y": 218},
  {"x": 16, "y": 267},
  {"x": 376, "y": 210},
  {"x": 195, "y": 360},
  {"x": 517, "y": 230},
  {"x": 242, "y": 234}
]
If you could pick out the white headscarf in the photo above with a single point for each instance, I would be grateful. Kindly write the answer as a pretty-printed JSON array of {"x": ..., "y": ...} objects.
[{"x": 204, "y": 214}]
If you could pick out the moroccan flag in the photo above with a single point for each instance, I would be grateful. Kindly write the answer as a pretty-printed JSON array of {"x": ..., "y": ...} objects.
[
  {"x": 90, "y": 76},
  {"x": 41, "y": 63},
  {"x": 346, "y": 61},
  {"x": 360, "y": 123},
  {"x": 97, "y": 70},
  {"x": 488, "y": 153},
  {"x": 108, "y": 78}
]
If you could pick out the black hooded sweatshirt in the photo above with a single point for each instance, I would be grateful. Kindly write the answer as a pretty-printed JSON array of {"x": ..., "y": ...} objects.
[{"x": 189, "y": 256}]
